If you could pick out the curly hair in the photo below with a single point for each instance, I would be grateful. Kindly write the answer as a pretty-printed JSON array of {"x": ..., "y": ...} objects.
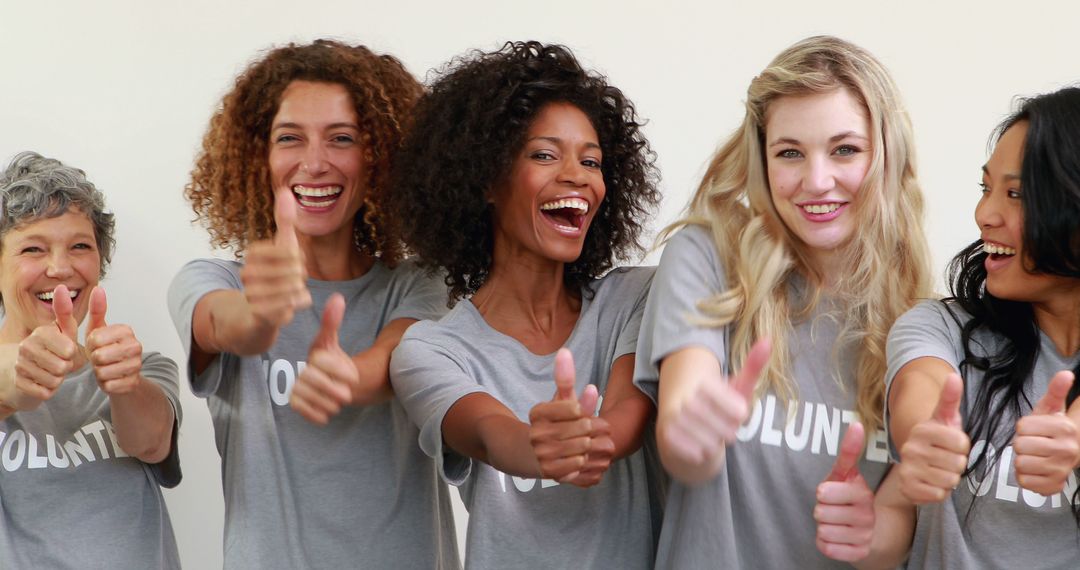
[
  {"x": 483, "y": 104},
  {"x": 230, "y": 188}
]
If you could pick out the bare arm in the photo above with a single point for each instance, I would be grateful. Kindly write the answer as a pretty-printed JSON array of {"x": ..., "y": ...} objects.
[
  {"x": 625, "y": 408},
  {"x": 894, "y": 526},
  {"x": 373, "y": 364},
  {"x": 913, "y": 395},
  {"x": 143, "y": 419},
  {"x": 223, "y": 321},
  {"x": 481, "y": 427}
]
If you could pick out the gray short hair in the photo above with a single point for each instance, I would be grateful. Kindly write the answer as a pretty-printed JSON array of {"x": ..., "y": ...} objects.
[{"x": 33, "y": 187}]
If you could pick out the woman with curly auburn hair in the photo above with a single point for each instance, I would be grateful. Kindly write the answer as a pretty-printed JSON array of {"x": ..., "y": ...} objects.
[
  {"x": 806, "y": 234},
  {"x": 528, "y": 195},
  {"x": 293, "y": 177},
  {"x": 995, "y": 453}
]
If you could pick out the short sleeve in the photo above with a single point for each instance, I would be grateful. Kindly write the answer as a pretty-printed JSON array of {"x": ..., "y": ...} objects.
[
  {"x": 690, "y": 271},
  {"x": 422, "y": 296},
  {"x": 191, "y": 284},
  {"x": 162, "y": 371},
  {"x": 926, "y": 330},
  {"x": 639, "y": 279},
  {"x": 427, "y": 380}
]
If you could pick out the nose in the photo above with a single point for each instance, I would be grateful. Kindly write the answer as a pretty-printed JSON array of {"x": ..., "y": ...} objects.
[
  {"x": 818, "y": 175},
  {"x": 59, "y": 266},
  {"x": 314, "y": 161},
  {"x": 988, "y": 212},
  {"x": 572, "y": 172}
]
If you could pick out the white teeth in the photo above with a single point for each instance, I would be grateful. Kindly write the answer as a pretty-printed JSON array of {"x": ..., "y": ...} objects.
[
  {"x": 48, "y": 295},
  {"x": 822, "y": 208},
  {"x": 994, "y": 248},
  {"x": 578, "y": 204},
  {"x": 317, "y": 192}
]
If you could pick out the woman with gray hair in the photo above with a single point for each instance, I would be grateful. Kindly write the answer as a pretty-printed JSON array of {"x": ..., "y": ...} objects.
[{"x": 87, "y": 431}]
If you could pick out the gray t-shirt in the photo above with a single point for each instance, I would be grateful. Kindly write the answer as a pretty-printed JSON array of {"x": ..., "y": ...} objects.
[
  {"x": 357, "y": 492},
  {"x": 1009, "y": 527},
  {"x": 69, "y": 495},
  {"x": 758, "y": 511},
  {"x": 519, "y": 522}
]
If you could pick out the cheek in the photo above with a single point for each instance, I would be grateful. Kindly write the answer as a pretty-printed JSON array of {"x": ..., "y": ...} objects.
[{"x": 278, "y": 162}]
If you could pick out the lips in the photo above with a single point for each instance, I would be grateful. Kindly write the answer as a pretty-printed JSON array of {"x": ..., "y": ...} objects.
[
  {"x": 567, "y": 215},
  {"x": 47, "y": 296},
  {"x": 321, "y": 197},
  {"x": 822, "y": 211}
]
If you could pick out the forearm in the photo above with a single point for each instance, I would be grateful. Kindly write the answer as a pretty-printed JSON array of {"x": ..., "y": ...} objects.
[
  {"x": 505, "y": 445},
  {"x": 143, "y": 421},
  {"x": 894, "y": 526},
  {"x": 628, "y": 419},
  {"x": 224, "y": 322},
  {"x": 679, "y": 467},
  {"x": 373, "y": 364}
]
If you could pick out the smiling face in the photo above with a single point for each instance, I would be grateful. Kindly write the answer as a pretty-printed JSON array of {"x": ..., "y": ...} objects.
[
  {"x": 40, "y": 255},
  {"x": 818, "y": 151},
  {"x": 317, "y": 154},
  {"x": 554, "y": 186},
  {"x": 1000, "y": 216}
]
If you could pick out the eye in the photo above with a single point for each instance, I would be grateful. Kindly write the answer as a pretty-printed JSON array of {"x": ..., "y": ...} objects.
[
  {"x": 847, "y": 150},
  {"x": 286, "y": 138},
  {"x": 542, "y": 155},
  {"x": 1013, "y": 193},
  {"x": 591, "y": 163},
  {"x": 343, "y": 139},
  {"x": 789, "y": 153},
  {"x": 31, "y": 249},
  {"x": 983, "y": 188},
  {"x": 83, "y": 245}
]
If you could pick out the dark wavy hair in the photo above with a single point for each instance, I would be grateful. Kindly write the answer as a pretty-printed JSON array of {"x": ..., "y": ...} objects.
[
  {"x": 462, "y": 141},
  {"x": 230, "y": 189},
  {"x": 1050, "y": 179}
]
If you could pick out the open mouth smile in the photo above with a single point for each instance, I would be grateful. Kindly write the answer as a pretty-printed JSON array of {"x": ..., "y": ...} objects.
[
  {"x": 567, "y": 215},
  {"x": 317, "y": 197}
]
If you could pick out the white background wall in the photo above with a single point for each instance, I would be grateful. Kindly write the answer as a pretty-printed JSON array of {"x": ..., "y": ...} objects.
[{"x": 124, "y": 91}]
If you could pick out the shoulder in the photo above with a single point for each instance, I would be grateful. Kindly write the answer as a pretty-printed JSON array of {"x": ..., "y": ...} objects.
[
  {"x": 934, "y": 311},
  {"x": 625, "y": 281},
  {"x": 201, "y": 270},
  {"x": 455, "y": 330}
]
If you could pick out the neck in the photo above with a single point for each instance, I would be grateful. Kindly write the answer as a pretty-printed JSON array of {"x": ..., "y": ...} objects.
[
  {"x": 1059, "y": 319},
  {"x": 525, "y": 290},
  {"x": 334, "y": 257}
]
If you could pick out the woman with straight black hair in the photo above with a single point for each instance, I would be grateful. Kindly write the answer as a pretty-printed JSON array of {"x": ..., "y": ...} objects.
[{"x": 993, "y": 464}]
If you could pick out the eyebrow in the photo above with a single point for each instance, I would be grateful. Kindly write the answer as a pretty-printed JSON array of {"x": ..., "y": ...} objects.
[
  {"x": 1009, "y": 176},
  {"x": 557, "y": 140},
  {"x": 328, "y": 127},
  {"x": 835, "y": 138},
  {"x": 45, "y": 237}
]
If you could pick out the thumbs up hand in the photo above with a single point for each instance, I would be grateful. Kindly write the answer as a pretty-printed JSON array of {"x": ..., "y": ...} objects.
[
  {"x": 601, "y": 445},
  {"x": 1047, "y": 442},
  {"x": 711, "y": 415},
  {"x": 114, "y": 352},
  {"x": 561, "y": 430},
  {"x": 274, "y": 273},
  {"x": 845, "y": 504},
  {"x": 327, "y": 382},
  {"x": 48, "y": 354},
  {"x": 936, "y": 454}
]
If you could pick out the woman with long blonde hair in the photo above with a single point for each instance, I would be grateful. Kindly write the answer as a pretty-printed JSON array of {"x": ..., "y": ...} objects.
[{"x": 805, "y": 233}]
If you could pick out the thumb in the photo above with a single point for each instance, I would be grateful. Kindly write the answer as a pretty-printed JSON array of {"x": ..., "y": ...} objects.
[
  {"x": 62, "y": 309},
  {"x": 565, "y": 377},
  {"x": 333, "y": 313},
  {"x": 747, "y": 378},
  {"x": 1053, "y": 401},
  {"x": 98, "y": 306},
  {"x": 285, "y": 218},
  {"x": 847, "y": 460},
  {"x": 948, "y": 406},
  {"x": 589, "y": 398}
]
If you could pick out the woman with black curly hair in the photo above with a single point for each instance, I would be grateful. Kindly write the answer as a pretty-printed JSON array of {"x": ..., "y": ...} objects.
[
  {"x": 528, "y": 177},
  {"x": 992, "y": 456},
  {"x": 292, "y": 177}
]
